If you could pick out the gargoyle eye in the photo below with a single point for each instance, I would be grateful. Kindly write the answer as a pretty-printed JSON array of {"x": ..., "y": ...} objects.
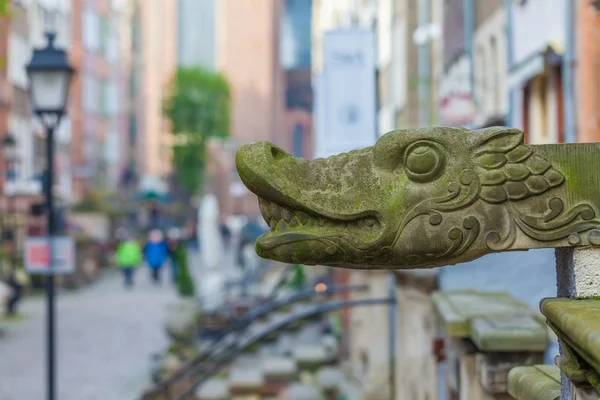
[{"x": 424, "y": 161}]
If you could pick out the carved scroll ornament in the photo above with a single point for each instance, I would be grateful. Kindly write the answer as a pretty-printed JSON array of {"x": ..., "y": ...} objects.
[{"x": 424, "y": 198}]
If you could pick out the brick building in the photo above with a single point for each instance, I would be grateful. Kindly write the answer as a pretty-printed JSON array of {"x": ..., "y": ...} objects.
[{"x": 588, "y": 75}]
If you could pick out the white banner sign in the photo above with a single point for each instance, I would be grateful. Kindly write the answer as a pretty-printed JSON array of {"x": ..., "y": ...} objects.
[
  {"x": 345, "y": 93},
  {"x": 37, "y": 255}
]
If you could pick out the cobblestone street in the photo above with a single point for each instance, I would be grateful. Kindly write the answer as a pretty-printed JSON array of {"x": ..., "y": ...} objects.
[{"x": 106, "y": 336}]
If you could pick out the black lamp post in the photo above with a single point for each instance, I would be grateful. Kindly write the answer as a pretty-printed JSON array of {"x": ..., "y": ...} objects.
[{"x": 50, "y": 75}]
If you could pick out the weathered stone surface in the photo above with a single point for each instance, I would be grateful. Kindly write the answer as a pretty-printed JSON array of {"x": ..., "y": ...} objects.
[
  {"x": 577, "y": 325},
  {"x": 329, "y": 378},
  {"x": 279, "y": 368},
  {"x": 458, "y": 308},
  {"x": 493, "y": 368},
  {"x": 213, "y": 389},
  {"x": 299, "y": 391},
  {"x": 540, "y": 382},
  {"x": 182, "y": 323},
  {"x": 509, "y": 334},
  {"x": 311, "y": 355},
  {"x": 424, "y": 197},
  {"x": 246, "y": 379}
]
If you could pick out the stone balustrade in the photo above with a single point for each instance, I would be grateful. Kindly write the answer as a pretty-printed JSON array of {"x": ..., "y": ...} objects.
[
  {"x": 486, "y": 335},
  {"x": 577, "y": 325}
]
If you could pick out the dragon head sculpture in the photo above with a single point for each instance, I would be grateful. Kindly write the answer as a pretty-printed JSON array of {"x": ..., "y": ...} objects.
[{"x": 417, "y": 198}]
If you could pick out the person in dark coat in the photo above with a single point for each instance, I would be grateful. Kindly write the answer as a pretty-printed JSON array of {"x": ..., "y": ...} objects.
[
  {"x": 173, "y": 242},
  {"x": 225, "y": 234}
]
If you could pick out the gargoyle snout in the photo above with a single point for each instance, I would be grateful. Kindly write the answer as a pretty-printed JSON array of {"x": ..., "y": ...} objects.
[
  {"x": 259, "y": 165},
  {"x": 259, "y": 154}
]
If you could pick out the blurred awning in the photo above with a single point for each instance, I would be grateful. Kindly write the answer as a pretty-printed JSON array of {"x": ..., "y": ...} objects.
[
  {"x": 535, "y": 64},
  {"x": 152, "y": 188}
]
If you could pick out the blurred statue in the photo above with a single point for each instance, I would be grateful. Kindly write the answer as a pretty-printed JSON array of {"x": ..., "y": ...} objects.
[{"x": 210, "y": 233}]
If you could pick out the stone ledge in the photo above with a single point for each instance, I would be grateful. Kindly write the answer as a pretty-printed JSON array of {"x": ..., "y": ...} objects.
[
  {"x": 457, "y": 308},
  {"x": 509, "y": 334},
  {"x": 577, "y": 325},
  {"x": 539, "y": 382}
]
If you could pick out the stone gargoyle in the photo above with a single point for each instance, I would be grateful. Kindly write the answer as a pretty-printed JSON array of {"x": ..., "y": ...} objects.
[{"x": 422, "y": 198}]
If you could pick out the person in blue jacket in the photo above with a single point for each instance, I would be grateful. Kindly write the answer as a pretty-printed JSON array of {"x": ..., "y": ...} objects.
[{"x": 156, "y": 253}]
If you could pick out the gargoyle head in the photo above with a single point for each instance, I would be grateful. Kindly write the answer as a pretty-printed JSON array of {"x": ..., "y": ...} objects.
[{"x": 417, "y": 198}]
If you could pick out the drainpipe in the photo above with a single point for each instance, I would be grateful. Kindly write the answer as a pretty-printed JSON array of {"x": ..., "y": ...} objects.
[
  {"x": 568, "y": 74},
  {"x": 392, "y": 310},
  {"x": 424, "y": 66},
  {"x": 508, "y": 4},
  {"x": 469, "y": 23}
]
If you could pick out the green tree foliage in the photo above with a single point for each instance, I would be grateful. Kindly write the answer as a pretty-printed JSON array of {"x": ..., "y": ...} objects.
[
  {"x": 198, "y": 107},
  {"x": 298, "y": 279},
  {"x": 185, "y": 283}
]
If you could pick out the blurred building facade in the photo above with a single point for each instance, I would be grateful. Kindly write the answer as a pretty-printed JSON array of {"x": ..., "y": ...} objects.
[
  {"x": 5, "y": 90},
  {"x": 489, "y": 66},
  {"x": 196, "y": 32},
  {"x": 153, "y": 41},
  {"x": 99, "y": 89},
  {"x": 248, "y": 54},
  {"x": 536, "y": 73},
  {"x": 296, "y": 61},
  {"x": 588, "y": 79}
]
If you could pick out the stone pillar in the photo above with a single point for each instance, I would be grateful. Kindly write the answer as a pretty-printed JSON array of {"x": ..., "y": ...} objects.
[{"x": 577, "y": 277}]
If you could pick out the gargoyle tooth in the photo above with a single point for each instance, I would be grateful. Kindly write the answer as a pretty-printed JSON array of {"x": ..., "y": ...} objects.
[
  {"x": 264, "y": 209},
  {"x": 304, "y": 218},
  {"x": 287, "y": 215},
  {"x": 272, "y": 224},
  {"x": 321, "y": 221},
  {"x": 361, "y": 223},
  {"x": 275, "y": 211},
  {"x": 282, "y": 225},
  {"x": 294, "y": 222}
]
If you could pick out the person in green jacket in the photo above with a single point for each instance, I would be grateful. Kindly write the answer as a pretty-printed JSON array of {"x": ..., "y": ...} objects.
[{"x": 128, "y": 257}]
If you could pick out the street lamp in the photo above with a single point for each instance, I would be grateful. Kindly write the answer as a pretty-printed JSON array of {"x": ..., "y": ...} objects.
[{"x": 49, "y": 80}]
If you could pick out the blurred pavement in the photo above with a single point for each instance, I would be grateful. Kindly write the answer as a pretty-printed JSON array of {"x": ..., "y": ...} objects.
[{"x": 105, "y": 335}]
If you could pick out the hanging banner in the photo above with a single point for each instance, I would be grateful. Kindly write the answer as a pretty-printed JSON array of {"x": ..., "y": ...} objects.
[{"x": 345, "y": 93}]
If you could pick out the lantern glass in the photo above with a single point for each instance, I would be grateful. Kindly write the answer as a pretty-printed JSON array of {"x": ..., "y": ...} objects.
[{"x": 49, "y": 90}]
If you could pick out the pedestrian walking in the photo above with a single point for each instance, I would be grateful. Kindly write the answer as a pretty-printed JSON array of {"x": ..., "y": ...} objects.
[
  {"x": 173, "y": 242},
  {"x": 225, "y": 234},
  {"x": 128, "y": 257},
  {"x": 17, "y": 281},
  {"x": 155, "y": 253}
]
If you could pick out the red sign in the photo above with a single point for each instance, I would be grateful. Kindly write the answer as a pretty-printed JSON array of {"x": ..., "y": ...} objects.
[{"x": 37, "y": 255}]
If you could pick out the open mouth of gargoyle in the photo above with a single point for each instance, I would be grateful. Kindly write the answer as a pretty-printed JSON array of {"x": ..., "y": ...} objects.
[{"x": 289, "y": 225}]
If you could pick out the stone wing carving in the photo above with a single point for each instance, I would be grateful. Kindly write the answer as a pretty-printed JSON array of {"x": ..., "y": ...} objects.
[{"x": 510, "y": 169}]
